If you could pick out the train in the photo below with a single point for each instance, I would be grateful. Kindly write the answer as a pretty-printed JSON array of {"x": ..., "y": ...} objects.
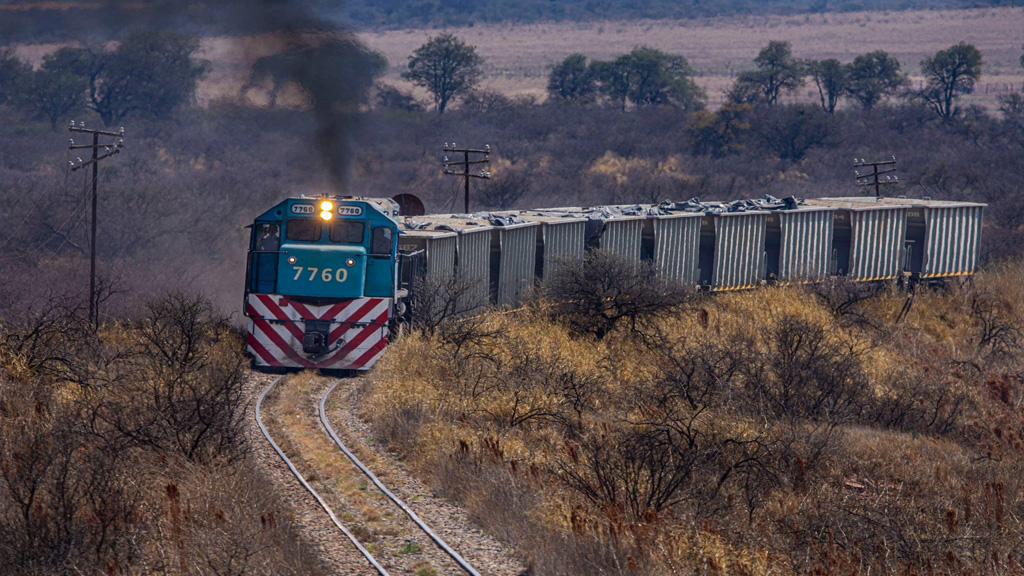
[{"x": 328, "y": 278}]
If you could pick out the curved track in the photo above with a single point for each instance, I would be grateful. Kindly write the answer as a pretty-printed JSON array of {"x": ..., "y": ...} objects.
[
  {"x": 462, "y": 563},
  {"x": 298, "y": 476},
  {"x": 376, "y": 482}
]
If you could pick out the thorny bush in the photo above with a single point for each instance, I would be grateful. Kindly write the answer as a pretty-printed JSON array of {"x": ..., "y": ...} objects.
[{"x": 122, "y": 448}]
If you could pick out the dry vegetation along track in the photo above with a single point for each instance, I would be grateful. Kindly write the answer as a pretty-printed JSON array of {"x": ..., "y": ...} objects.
[{"x": 408, "y": 546}]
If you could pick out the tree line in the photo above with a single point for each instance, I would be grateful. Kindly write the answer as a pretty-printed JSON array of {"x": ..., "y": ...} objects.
[
  {"x": 647, "y": 76},
  {"x": 152, "y": 74}
]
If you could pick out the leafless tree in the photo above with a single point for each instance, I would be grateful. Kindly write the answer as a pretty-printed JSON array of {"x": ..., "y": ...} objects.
[{"x": 603, "y": 289}]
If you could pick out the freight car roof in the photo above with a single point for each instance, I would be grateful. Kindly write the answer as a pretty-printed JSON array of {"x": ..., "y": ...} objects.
[
  {"x": 456, "y": 223},
  {"x": 849, "y": 204},
  {"x": 544, "y": 218},
  {"x": 925, "y": 202}
]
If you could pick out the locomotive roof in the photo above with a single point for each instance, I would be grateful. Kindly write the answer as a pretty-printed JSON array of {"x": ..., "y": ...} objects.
[{"x": 383, "y": 207}]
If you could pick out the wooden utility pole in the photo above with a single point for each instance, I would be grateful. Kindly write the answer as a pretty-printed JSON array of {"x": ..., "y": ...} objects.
[
  {"x": 465, "y": 163},
  {"x": 873, "y": 178},
  {"x": 109, "y": 149}
]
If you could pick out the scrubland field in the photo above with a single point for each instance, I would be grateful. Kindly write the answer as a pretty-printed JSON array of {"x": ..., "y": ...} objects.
[
  {"x": 825, "y": 429},
  {"x": 819, "y": 430}
]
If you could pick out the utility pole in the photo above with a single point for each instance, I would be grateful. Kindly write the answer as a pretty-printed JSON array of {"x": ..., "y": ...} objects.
[
  {"x": 465, "y": 162},
  {"x": 872, "y": 179},
  {"x": 109, "y": 149}
]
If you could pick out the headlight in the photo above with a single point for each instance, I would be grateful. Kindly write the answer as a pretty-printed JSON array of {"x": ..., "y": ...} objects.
[
  {"x": 327, "y": 205},
  {"x": 350, "y": 262},
  {"x": 326, "y": 215},
  {"x": 292, "y": 260}
]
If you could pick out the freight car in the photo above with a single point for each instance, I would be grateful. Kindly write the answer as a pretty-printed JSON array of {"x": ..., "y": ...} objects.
[{"x": 327, "y": 277}]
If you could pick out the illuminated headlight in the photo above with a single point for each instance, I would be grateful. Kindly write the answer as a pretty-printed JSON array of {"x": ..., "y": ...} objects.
[
  {"x": 292, "y": 260},
  {"x": 327, "y": 205},
  {"x": 326, "y": 215},
  {"x": 350, "y": 262}
]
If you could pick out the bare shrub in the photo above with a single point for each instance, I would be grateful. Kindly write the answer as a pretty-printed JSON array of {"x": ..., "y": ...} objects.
[
  {"x": 527, "y": 384},
  {"x": 999, "y": 334},
  {"x": 437, "y": 299},
  {"x": 66, "y": 504},
  {"x": 178, "y": 389},
  {"x": 505, "y": 189},
  {"x": 844, "y": 296},
  {"x": 806, "y": 374},
  {"x": 701, "y": 372},
  {"x": 90, "y": 418},
  {"x": 602, "y": 290},
  {"x": 919, "y": 402}
]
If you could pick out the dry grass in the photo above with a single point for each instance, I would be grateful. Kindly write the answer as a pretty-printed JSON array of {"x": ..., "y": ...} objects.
[{"x": 920, "y": 476}]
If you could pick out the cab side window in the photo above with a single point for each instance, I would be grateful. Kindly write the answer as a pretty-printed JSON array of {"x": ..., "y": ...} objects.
[
  {"x": 381, "y": 244},
  {"x": 268, "y": 237},
  {"x": 303, "y": 229}
]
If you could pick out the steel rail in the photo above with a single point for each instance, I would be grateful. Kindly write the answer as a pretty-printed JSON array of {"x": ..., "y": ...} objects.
[
  {"x": 376, "y": 482},
  {"x": 259, "y": 422}
]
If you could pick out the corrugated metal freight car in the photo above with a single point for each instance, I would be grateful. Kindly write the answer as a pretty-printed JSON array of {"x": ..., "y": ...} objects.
[
  {"x": 513, "y": 262},
  {"x": 559, "y": 238},
  {"x": 732, "y": 255},
  {"x": 798, "y": 244},
  {"x": 472, "y": 253},
  {"x": 943, "y": 238},
  {"x": 867, "y": 238}
]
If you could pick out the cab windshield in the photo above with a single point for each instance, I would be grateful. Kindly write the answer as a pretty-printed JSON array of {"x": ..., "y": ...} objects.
[
  {"x": 347, "y": 232},
  {"x": 303, "y": 230}
]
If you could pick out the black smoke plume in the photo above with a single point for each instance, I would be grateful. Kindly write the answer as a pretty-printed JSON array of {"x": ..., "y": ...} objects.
[{"x": 333, "y": 68}]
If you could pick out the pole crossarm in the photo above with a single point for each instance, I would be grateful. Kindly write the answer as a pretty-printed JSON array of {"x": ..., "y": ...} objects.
[
  {"x": 96, "y": 159},
  {"x": 460, "y": 163},
  {"x": 80, "y": 127}
]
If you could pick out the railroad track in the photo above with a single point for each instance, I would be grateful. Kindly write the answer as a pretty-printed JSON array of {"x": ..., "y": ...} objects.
[{"x": 350, "y": 534}]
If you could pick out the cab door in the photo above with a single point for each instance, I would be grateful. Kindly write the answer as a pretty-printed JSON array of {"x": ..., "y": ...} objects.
[{"x": 380, "y": 262}]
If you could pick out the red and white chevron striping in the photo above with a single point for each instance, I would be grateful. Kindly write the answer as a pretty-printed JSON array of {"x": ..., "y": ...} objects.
[{"x": 277, "y": 324}]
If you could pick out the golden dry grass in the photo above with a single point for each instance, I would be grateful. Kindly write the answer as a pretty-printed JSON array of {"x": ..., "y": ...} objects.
[{"x": 931, "y": 481}]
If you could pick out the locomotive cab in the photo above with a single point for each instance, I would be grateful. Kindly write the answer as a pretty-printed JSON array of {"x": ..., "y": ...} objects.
[{"x": 321, "y": 282}]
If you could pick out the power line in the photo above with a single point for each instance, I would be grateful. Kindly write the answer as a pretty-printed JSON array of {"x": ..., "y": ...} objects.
[
  {"x": 465, "y": 164},
  {"x": 109, "y": 149},
  {"x": 873, "y": 178}
]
